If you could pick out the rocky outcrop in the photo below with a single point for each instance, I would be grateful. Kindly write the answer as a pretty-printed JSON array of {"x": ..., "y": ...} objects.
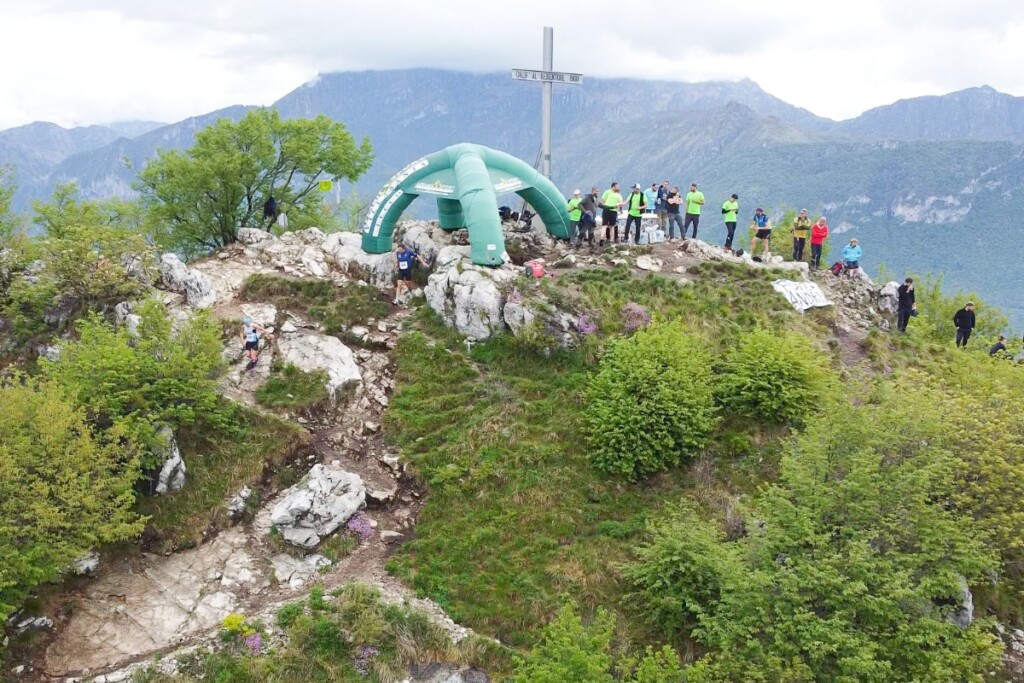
[
  {"x": 318, "y": 505},
  {"x": 889, "y": 297},
  {"x": 347, "y": 251},
  {"x": 175, "y": 276},
  {"x": 312, "y": 352},
  {"x": 172, "y": 473},
  {"x": 469, "y": 298}
]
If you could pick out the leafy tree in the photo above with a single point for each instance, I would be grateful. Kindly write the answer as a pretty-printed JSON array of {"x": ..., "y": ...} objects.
[
  {"x": 772, "y": 376},
  {"x": 66, "y": 211},
  {"x": 143, "y": 382},
  {"x": 203, "y": 195},
  {"x": 936, "y": 311},
  {"x": 650, "y": 403},
  {"x": 853, "y": 568},
  {"x": 10, "y": 224},
  {"x": 62, "y": 490}
]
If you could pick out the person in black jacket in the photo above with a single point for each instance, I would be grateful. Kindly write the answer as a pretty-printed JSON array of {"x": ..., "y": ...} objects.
[
  {"x": 1000, "y": 345},
  {"x": 964, "y": 322},
  {"x": 905, "y": 306}
]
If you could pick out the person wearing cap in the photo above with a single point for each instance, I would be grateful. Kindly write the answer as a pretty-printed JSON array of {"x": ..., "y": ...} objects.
[
  {"x": 730, "y": 208},
  {"x": 611, "y": 201},
  {"x": 694, "y": 200},
  {"x": 964, "y": 321},
  {"x": 801, "y": 231},
  {"x": 575, "y": 213},
  {"x": 819, "y": 233},
  {"x": 635, "y": 205},
  {"x": 662, "y": 205},
  {"x": 674, "y": 200},
  {"x": 762, "y": 231},
  {"x": 851, "y": 257}
]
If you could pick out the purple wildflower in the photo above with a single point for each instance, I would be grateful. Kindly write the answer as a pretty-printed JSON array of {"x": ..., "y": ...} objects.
[
  {"x": 634, "y": 317},
  {"x": 585, "y": 326},
  {"x": 359, "y": 524},
  {"x": 364, "y": 655},
  {"x": 254, "y": 642}
]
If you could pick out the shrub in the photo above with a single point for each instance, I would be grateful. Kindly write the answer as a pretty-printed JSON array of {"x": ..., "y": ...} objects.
[
  {"x": 142, "y": 383},
  {"x": 650, "y": 403},
  {"x": 63, "y": 491},
  {"x": 772, "y": 376},
  {"x": 289, "y": 387}
]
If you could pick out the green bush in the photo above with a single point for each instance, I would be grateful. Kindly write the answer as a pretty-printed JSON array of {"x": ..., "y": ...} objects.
[
  {"x": 776, "y": 377},
  {"x": 570, "y": 650},
  {"x": 63, "y": 491},
  {"x": 651, "y": 403},
  {"x": 143, "y": 383}
]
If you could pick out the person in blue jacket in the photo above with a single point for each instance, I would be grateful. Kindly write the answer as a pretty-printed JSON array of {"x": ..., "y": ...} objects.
[{"x": 851, "y": 257}]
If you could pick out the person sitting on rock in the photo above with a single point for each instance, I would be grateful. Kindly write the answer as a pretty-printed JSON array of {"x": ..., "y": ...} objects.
[
  {"x": 405, "y": 258},
  {"x": 251, "y": 341},
  {"x": 851, "y": 257}
]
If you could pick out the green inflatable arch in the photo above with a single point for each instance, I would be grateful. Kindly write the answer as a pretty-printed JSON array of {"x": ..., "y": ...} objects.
[{"x": 466, "y": 180}]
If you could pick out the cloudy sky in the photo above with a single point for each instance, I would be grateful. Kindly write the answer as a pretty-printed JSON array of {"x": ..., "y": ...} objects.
[{"x": 78, "y": 62}]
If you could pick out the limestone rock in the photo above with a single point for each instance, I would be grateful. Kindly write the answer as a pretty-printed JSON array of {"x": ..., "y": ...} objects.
[
  {"x": 347, "y": 252},
  {"x": 238, "y": 502},
  {"x": 172, "y": 473},
  {"x": 251, "y": 236},
  {"x": 263, "y": 315},
  {"x": 295, "y": 572},
  {"x": 649, "y": 263},
  {"x": 420, "y": 237},
  {"x": 963, "y": 615},
  {"x": 888, "y": 297},
  {"x": 177, "y": 277},
  {"x": 469, "y": 298},
  {"x": 288, "y": 327},
  {"x": 313, "y": 352},
  {"x": 318, "y": 505},
  {"x": 87, "y": 565}
]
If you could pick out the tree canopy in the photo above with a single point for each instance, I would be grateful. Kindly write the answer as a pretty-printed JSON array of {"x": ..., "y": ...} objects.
[{"x": 197, "y": 199}]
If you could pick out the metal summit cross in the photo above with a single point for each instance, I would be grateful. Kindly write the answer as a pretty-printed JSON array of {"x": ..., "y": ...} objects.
[{"x": 547, "y": 77}]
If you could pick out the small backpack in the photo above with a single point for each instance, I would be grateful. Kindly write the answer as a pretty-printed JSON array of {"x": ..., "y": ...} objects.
[{"x": 837, "y": 268}]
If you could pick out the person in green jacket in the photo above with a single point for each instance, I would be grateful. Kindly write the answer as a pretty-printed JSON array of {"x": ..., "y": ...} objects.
[
  {"x": 730, "y": 208},
  {"x": 611, "y": 201},
  {"x": 694, "y": 200},
  {"x": 575, "y": 213},
  {"x": 635, "y": 204},
  {"x": 801, "y": 231}
]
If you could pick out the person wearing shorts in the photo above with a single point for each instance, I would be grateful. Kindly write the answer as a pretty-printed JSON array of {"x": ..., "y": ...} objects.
[
  {"x": 762, "y": 231},
  {"x": 251, "y": 341},
  {"x": 611, "y": 200},
  {"x": 405, "y": 258}
]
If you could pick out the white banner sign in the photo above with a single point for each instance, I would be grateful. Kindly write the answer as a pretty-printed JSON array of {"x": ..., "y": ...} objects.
[{"x": 802, "y": 295}]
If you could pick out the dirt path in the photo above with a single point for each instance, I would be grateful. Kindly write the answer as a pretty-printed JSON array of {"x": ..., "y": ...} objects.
[{"x": 147, "y": 604}]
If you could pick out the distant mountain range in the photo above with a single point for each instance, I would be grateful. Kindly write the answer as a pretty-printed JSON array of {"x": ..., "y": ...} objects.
[{"x": 929, "y": 184}]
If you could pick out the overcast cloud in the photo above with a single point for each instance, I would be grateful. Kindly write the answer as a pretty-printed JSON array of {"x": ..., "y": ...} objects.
[{"x": 79, "y": 62}]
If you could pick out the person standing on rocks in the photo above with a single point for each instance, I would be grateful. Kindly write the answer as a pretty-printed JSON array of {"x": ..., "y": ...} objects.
[
  {"x": 852, "y": 254},
  {"x": 635, "y": 203},
  {"x": 662, "y": 205},
  {"x": 575, "y": 214},
  {"x": 694, "y": 201},
  {"x": 762, "y": 232},
  {"x": 906, "y": 305},
  {"x": 801, "y": 231},
  {"x": 405, "y": 258},
  {"x": 611, "y": 202},
  {"x": 730, "y": 208},
  {"x": 674, "y": 200},
  {"x": 588, "y": 221},
  {"x": 819, "y": 233},
  {"x": 251, "y": 341},
  {"x": 964, "y": 321}
]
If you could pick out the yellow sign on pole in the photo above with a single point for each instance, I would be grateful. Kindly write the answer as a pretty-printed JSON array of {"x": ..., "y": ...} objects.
[{"x": 325, "y": 185}]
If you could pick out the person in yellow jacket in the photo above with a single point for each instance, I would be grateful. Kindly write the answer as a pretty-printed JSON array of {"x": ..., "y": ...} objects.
[
  {"x": 611, "y": 201},
  {"x": 694, "y": 201},
  {"x": 575, "y": 213},
  {"x": 636, "y": 202},
  {"x": 801, "y": 231}
]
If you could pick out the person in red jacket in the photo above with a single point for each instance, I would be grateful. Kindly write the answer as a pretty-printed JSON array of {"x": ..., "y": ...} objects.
[{"x": 819, "y": 233}]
